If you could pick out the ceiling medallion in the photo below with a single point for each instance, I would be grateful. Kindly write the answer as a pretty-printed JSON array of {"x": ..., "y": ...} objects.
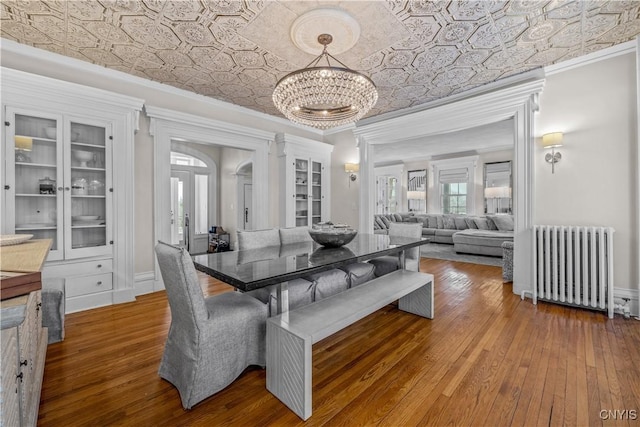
[{"x": 325, "y": 96}]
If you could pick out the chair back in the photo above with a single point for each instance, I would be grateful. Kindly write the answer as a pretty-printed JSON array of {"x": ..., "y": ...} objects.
[
  {"x": 254, "y": 239},
  {"x": 413, "y": 230},
  {"x": 295, "y": 235},
  {"x": 186, "y": 300}
]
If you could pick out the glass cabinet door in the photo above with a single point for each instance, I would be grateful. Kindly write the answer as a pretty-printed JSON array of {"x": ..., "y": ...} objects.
[
  {"x": 302, "y": 192},
  {"x": 34, "y": 176},
  {"x": 316, "y": 192},
  {"x": 88, "y": 200}
]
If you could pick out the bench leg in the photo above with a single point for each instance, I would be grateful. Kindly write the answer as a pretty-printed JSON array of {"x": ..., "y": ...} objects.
[
  {"x": 419, "y": 302},
  {"x": 289, "y": 369}
]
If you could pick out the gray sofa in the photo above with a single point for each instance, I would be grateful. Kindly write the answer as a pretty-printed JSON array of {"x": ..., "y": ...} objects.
[{"x": 479, "y": 235}]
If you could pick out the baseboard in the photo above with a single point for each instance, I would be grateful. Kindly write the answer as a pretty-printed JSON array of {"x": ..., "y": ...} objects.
[
  {"x": 144, "y": 283},
  {"x": 87, "y": 302},
  {"x": 633, "y": 297}
]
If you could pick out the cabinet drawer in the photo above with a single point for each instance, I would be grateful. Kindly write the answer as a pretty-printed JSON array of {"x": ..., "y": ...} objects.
[
  {"x": 78, "y": 268},
  {"x": 76, "y": 286}
]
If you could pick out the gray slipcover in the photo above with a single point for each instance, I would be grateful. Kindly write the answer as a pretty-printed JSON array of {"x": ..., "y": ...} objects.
[
  {"x": 254, "y": 239},
  {"x": 211, "y": 340},
  {"x": 387, "y": 264},
  {"x": 359, "y": 273}
]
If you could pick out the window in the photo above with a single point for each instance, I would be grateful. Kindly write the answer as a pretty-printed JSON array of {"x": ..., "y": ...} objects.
[
  {"x": 455, "y": 183},
  {"x": 180, "y": 159},
  {"x": 454, "y": 198}
]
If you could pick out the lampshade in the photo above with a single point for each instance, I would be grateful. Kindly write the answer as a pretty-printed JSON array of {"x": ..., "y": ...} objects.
[
  {"x": 497, "y": 192},
  {"x": 416, "y": 195},
  {"x": 325, "y": 96},
  {"x": 24, "y": 143},
  {"x": 552, "y": 140},
  {"x": 351, "y": 167}
]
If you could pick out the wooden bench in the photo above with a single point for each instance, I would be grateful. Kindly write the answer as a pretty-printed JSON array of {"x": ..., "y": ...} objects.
[{"x": 290, "y": 335}]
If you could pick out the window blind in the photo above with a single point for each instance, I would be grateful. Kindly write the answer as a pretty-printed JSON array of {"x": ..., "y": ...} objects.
[{"x": 450, "y": 176}]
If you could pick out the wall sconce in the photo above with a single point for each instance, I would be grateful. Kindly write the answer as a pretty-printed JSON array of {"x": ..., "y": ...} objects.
[
  {"x": 553, "y": 141},
  {"x": 352, "y": 168}
]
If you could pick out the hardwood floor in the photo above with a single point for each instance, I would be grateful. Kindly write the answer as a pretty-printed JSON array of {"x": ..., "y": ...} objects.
[{"x": 487, "y": 358}]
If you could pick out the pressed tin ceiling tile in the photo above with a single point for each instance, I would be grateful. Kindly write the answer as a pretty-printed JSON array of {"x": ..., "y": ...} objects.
[{"x": 414, "y": 50}]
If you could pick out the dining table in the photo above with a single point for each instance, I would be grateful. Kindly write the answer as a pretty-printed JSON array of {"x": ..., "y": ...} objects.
[{"x": 252, "y": 269}]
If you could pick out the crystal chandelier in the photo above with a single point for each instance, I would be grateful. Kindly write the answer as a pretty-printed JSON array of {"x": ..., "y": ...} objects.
[{"x": 325, "y": 96}]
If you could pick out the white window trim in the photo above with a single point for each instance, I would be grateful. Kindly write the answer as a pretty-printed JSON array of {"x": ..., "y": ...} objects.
[{"x": 470, "y": 163}]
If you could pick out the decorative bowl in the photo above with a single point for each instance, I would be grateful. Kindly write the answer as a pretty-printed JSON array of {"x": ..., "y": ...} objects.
[
  {"x": 83, "y": 157},
  {"x": 332, "y": 237}
]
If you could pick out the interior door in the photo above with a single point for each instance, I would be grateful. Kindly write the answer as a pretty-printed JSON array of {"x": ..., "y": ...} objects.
[
  {"x": 180, "y": 207},
  {"x": 248, "y": 206}
]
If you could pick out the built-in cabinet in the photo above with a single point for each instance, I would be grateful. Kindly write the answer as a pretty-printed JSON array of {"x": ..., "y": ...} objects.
[
  {"x": 60, "y": 182},
  {"x": 24, "y": 347},
  {"x": 305, "y": 167},
  {"x": 68, "y": 168}
]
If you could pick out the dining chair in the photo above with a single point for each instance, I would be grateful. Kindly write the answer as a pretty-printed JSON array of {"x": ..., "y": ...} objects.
[
  {"x": 211, "y": 340},
  {"x": 295, "y": 235},
  {"x": 299, "y": 291},
  {"x": 388, "y": 263},
  {"x": 254, "y": 239}
]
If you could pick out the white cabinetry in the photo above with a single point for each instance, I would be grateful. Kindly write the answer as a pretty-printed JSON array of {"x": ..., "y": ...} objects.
[
  {"x": 67, "y": 176},
  {"x": 24, "y": 347},
  {"x": 305, "y": 167}
]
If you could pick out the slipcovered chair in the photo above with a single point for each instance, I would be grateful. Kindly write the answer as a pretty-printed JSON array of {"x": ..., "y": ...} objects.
[
  {"x": 300, "y": 291},
  {"x": 295, "y": 235},
  {"x": 211, "y": 340},
  {"x": 254, "y": 239},
  {"x": 388, "y": 263}
]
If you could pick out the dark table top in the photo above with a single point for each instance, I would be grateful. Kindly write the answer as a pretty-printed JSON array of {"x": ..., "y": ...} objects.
[{"x": 252, "y": 269}]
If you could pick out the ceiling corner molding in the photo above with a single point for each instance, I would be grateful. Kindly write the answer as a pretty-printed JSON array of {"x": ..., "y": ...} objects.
[
  {"x": 285, "y": 141},
  {"x": 599, "y": 55}
]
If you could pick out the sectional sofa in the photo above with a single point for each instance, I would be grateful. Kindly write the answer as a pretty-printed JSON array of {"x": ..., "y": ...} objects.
[{"x": 479, "y": 235}]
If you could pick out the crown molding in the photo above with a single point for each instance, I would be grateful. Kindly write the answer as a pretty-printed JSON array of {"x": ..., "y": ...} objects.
[
  {"x": 600, "y": 55},
  {"x": 44, "y": 57}
]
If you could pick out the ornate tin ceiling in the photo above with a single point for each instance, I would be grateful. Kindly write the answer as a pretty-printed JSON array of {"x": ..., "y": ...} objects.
[{"x": 236, "y": 51}]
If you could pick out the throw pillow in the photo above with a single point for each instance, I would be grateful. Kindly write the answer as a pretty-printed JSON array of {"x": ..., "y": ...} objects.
[
  {"x": 449, "y": 223},
  {"x": 492, "y": 225},
  {"x": 432, "y": 221},
  {"x": 398, "y": 217},
  {"x": 440, "y": 220},
  {"x": 503, "y": 222},
  {"x": 471, "y": 223},
  {"x": 482, "y": 223},
  {"x": 386, "y": 221},
  {"x": 461, "y": 223},
  {"x": 380, "y": 223}
]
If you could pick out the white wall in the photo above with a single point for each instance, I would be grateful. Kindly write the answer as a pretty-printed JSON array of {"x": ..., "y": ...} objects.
[
  {"x": 594, "y": 183},
  {"x": 230, "y": 158},
  {"x": 345, "y": 203}
]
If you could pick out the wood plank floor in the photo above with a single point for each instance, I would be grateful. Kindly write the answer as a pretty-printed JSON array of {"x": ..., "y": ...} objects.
[{"x": 487, "y": 358}]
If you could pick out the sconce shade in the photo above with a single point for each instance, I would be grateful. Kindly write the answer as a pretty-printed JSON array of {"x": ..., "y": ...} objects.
[
  {"x": 351, "y": 167},
  {"x": 416, "y": 195},
  {"x": 552, "y": 140},
  {"x": 24, "y": 143},
  {"x": 497, "y": 192}
]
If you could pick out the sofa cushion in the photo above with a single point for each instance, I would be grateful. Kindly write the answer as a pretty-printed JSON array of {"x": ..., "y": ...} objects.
[
  {"x": 482, "y": 223},
  {"x": 397, "y": 217},
  {"x": 446, "y": 232},
  {"x": 461, "y": 223},
  {"x": 449, "y": 222},
  {"x": 428, "y": 231},
  {"x": 386, "y": 221},
  {"x": 482, "y": 237},
  {"x": 492, "y": 225},
  {"x": 471, "y": 222},
  {"x": 503, "y": 222},
  {"x": 380, "y": 223}
]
